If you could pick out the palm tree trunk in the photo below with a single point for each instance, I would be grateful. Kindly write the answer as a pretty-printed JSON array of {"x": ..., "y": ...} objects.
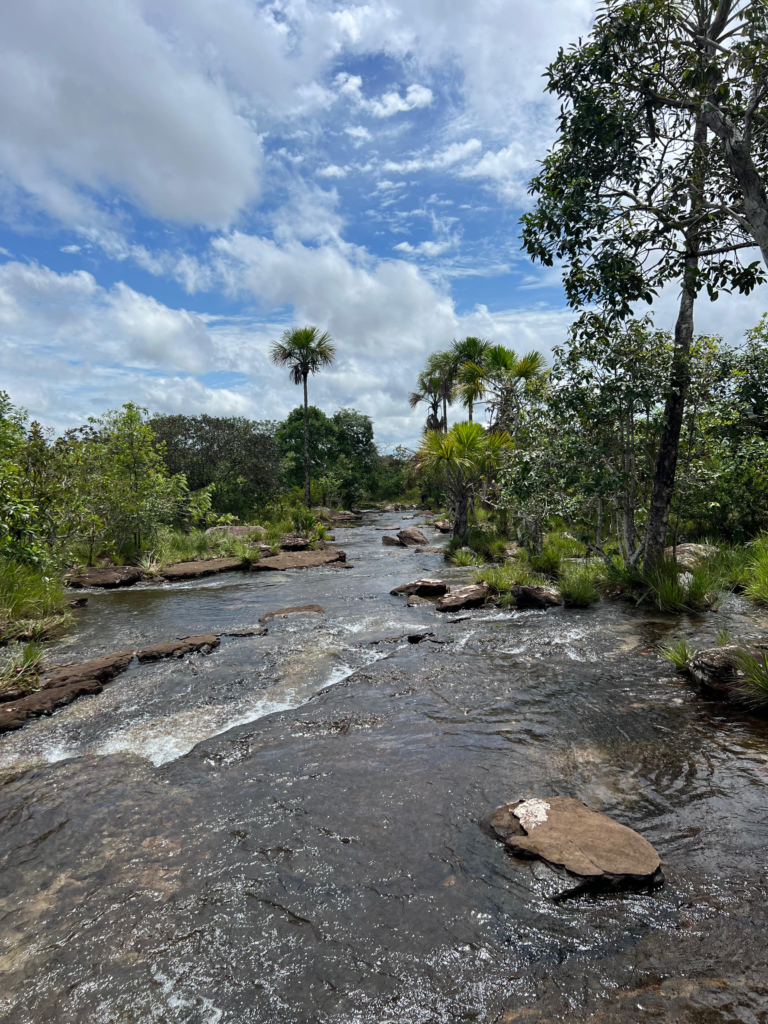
[
  {"x": 445, "y": 414},
  {"x": 469, "y": 407},
  {"x": 461, "y": 514},
  {"x": 307, "y": 492}
]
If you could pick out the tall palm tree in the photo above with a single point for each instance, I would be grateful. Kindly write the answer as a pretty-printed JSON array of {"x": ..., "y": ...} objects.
[
  {"x": 465, "y": 455},
  {"x": 473, "y": 351},
  {"x": 428, "y": 390},
  {"x": 303, "y": 350},
  {"x": 441, "y": 365},
  {"x": 506, "y": 379}
]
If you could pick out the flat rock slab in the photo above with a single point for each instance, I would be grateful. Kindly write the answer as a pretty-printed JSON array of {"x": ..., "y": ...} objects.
[
  {"x": 61, "y": 685},
  {"x": 424, "y": 588},
  {"x": 531, "y": 596},
  {"x": 254, "y": 631},
  {"x": 429, "y": 550},
  {"x": 107, "y": 577},
  {"x": 203, "y": 642},
  {"x": 293, "y": 610},
  {"x": 465, "y": 597},
  {"x": 238, "y": 531},
  {"x": 565, "y": 833},
  {"x": 392, "y": 542},
  {"x": 412, "y": 537},
  {"x": 299, "y": 560},
  {"x": 199, "y": 570}
]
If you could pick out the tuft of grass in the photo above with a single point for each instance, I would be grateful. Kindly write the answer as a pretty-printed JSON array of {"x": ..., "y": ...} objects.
[
  {"x": 723, "y": 637},
  {"x": 754, "y": 689},
  {"x": 464, "y": 557},
  {"x": 501, "y": 578},
  {"x": 36, "y": 630},
  {"x": 172, "y": 545},
  {"x": 677, "y": 652},
  {"x": 733, "y": 567},
  {"x": 581, "y": 585},
  {"x": 548, "y": 562},
  {"x": 28, "y": 591},
  {"x": 757, "y": 587},
  {"x": 20, "y": 667}
]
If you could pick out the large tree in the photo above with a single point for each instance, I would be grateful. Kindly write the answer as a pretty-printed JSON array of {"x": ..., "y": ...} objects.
[
  {"x": 464, "y": 354},
  {"x": 636, "y": 194},
  {"x": 304, "y": 350}
]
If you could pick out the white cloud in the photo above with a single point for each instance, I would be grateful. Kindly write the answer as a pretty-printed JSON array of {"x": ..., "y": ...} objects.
[
  {"x": 332, "y": 171},
  {"x": 71, "y": 249},
  {"x": 359, "y": 133},
  {"x": 389, "y": 104},
  {"x": 457, "y": 152}
]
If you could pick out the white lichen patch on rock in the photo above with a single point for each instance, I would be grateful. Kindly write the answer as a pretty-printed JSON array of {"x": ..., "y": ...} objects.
[{"x": 531, "y": 813}]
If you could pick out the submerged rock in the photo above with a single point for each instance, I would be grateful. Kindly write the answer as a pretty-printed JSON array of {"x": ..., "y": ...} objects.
[
  {"x": 412, "y": 536},
  {"x": 534, "y": 596},
  {"x": 299, "y": 560},
  {"x": 423, "y": 588},
  {"x": 595, "y": 851},
  {"x": 199, "y": 570},
  {"x": 688, "y": 556},
  {"x": 79, "y": 602},
  {"x": 107, "y": 577},
  {"x": 203, "y": 643},
  {"x": 466, "y": 597},
  {"x": 392, "y": 542},
  {"x": 430, "y": 550},
  {"x": 414, "y": 600},
  {"x": 238, "y": 531},
  {"x": 293, "y": 610}
]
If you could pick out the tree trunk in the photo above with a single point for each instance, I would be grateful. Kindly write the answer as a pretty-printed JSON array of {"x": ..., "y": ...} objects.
[
  {"x": 445, "y": 414},
  {"x": 666, "y": 460},
  {"x": 461, "y": 514},
  {"x": 307, "y": 492},
  {"x": 469, "y": 409}
]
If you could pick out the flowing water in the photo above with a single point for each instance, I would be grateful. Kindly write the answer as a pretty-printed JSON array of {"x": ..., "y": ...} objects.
[{"x": 290, "y": 829}]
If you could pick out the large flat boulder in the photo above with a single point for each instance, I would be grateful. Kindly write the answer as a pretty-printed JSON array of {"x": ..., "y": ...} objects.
[
  {"x": 296, "y": 609},
  {"x": 103, "y": 668},
  {"x": 688, "y": 556},
  {"x": 239, "y": 531},
  {"x": 466, "y": 597},
  {"x": 179, "y": 648},
  {"x": 412, "y": 536},
  {"x": 391, "y": 542},
  {"x": 299, "y": 560},
  {"x": 199, "y": 570},
  {"x": 106, "y": 577},
  {"x": 534, "y": 596},
  {"x": 565, "y": 833},
  {"x": 423, "y": 587}
]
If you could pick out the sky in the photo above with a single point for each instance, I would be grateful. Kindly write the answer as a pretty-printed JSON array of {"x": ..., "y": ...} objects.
[{"x": 182, "y": 180}]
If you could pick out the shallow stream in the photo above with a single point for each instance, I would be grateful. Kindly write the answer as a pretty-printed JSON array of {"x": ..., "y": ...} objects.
[{"x": 290, "y": 828}]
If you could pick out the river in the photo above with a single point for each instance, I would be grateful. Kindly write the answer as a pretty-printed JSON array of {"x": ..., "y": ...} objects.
[{"x": 290, "y": 829}]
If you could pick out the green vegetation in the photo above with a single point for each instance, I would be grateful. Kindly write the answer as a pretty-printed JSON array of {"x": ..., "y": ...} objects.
[
  {"x": 678, "y": 652},
  {"x": 754, "y": 689},
  {"x": 20, "y": 666},
  {"x": 582, "y": 585}
]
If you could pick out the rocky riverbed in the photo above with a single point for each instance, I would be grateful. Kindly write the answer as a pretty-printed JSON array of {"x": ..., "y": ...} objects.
[{"x": 293, "y": 827}]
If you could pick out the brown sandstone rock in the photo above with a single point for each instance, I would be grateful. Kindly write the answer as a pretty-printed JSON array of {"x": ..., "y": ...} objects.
[
  {"x": 392, "y": 542},
  {"x": 290, "y": 542},
  {"x": 107, "y": 577},
  {"x": 423, "y": 587},
  {"x": 300, "y": 560},
  {"x": 201, "y": 569},
  {"x": 443, "y": 526},
  {"x": 532, "y": 596},
  {"x": 204, "y": 642},
  {"x": 567, "y": 834},
  {"x": 103, "y": 668},
  {"x": 429, "y": 550},
  {"x": 293, "y": 610},
  {"x": 465, "y": 597},
  {"x": 412, "y": 536}
]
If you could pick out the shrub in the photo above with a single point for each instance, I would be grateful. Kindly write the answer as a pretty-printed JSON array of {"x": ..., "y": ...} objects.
[
  {"x": 465, "y": 557},
  {"x": 755, "y": 686},
  {"x": 677, "y": 652},
  {"x": 581, "y": 585}
]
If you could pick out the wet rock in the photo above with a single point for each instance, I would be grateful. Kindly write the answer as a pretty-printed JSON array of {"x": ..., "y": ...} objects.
[
  {"x": 107, "y": 577},
  {"x": 414, "y": 600},
  {"x": 337, "y": 517},
  {"x": 532, "y": 596},
  {"x": 179, "y": 648},
  {"x": 61, "y": 685},
  {"x": 429, "y": 550},
  {"x": 443, "y": 526},
  {"x": 688, "y": 556},
  {"x": 717, "y": 668},
  {"x": 79, "y": 602},
  {"x": 300, "y": 560},
  {"x": 466, "y": 597},
  {"x": 239, "y": 531},
  {"x": 412, "y": 536},
  {"x": 199, "y": 570},
  {"x": 255, "y": 631},
  {"x": 601, "y": 853},
  {"x": 290, "y": 542},
  {"x": 392, "y": 542},
  {"x": 424, "y": 588},
  {"x": 293, "y": 610}
]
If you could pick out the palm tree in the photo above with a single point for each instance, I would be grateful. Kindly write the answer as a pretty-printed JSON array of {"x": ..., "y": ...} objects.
[
  {"x": 303, "y": 350},
  {"x": 468, "y": 351},
  {"x": 506, "y": 379},
  {"x": 465, "y": 455},
  {"x": 428, "y": 390},
  {"x": 441, "y": 366}
]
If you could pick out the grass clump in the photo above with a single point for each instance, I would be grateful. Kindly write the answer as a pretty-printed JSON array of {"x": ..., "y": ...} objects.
[
  {"x": 464, "y": 557},
  {"x": 678, "y": 652},
  {"x": 20, "y": 667},
  {"x": 723, "y": 637},
  {"x": 581, "y": 585},
  {"x": 757, "y": 586},
  {"x": 172, "y": 545},
  {"x": 28, "y": 591},
  {"x": 502, "y": 578},
  {"x": 755, "y": 685}
]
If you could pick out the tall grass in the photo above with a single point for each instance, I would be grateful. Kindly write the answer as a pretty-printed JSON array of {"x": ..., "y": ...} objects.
[
  {"x": 170, "y": 546},
  {"x": 666, "y": 587},
  {"x": 502, "y": 578},
  {"x": 754, "y": 689},
  {"x": 582, "y": 585},
  {"x": 28, "y": 591},
  {"x": 678, "y": 652},
  {"x": 20, "y": 666},
  {"x": 757, "y": 587}
]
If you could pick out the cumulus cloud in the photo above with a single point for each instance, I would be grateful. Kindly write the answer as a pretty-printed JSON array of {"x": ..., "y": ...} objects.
[
  {"x": 457, "y": 152},
  {"x": 389, "y": 103}
]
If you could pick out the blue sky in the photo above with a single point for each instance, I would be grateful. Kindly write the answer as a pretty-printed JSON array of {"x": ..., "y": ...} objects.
[{"x": 182, "y": 179}]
